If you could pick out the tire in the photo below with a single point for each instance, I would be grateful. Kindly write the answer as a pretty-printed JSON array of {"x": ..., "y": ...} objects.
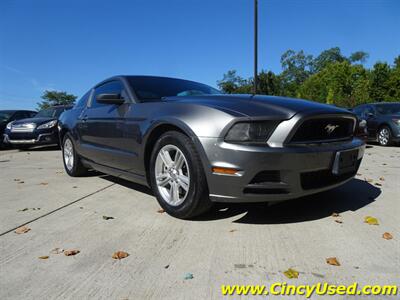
[
  {"x": 72, "y": 162},
  {"x": 384, "y": 136},
  {"x": 181, "y": 188}
]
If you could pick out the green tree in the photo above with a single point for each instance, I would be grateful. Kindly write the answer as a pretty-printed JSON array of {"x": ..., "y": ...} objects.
[
  {"x": 327, "y": 57},
  {"x": 359, "y": 56},
  {"x": 52, "y": 98},
  {"x": 380, "y": 76},
  {"x": 269, "y": 83},
  {"x": 341, "y": 84},
  {"x": 231, "y": 82},
  {"x": 296, "y": 68},
  {"x": 393, "y": 93}
]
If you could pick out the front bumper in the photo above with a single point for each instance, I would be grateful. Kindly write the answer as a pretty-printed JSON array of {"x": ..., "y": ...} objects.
[
  {"x": 274, "y": 174},
  {"x": 46, "y": 138}
]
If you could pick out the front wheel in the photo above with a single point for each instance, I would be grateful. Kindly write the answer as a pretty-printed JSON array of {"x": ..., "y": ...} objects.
[
  {"x": 72, "y": 162},
  {"x": 384, "y": 136},
  {"x": 177, "y": 176}
]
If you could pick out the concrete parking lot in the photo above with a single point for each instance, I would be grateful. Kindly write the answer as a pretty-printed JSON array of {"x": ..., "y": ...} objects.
[{"x": 233, "y": 244}]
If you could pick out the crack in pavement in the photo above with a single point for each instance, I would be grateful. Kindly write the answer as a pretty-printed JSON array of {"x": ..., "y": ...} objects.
[{"x": 57, "y": 209}]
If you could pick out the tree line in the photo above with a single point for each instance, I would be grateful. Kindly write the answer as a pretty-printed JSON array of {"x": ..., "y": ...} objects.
[{"x": 330, "y": 77}]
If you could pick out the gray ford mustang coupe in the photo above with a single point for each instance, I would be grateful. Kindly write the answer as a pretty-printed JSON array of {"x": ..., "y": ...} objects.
[{"x": 194, "y": 146}]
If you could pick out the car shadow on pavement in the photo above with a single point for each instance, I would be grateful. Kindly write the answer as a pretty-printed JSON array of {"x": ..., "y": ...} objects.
[
  {"x": 129, "y": 184},
  {"x": 41, "y": 148},
  {"x": 350, "y": 197}
]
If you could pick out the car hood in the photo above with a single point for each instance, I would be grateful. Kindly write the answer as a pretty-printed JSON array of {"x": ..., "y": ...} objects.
[
  {"x": 258, "y": 106},
  {"x": 37, "y": 121}
]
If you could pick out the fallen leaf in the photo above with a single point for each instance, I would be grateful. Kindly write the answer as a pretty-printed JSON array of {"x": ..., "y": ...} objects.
[
  {"x": 57, "y": 251},
  {"x": 71, "y": 252},
  {"x": 188, "y": 276},
  {"x": 22, "y": 229},
  {"x": 16, "y": 179},
  {"x": 381, "y": 178},
  {"x": 19, "y": 182},
  {"x": 120, "y": 255},
  {"x": 368, "y": 179},
  {"x": 335, "y": 215},
  {"x": 232, "y": 230},
  {"x": 332, "y": 261},
  {"x": 378, "y": 184},
  {"x": 339, "y": 221},
  {"x": 387, "y": 236},
  {"x": 371, "y": 220},
  {"x": 161, "y": 210},
  {"x": 44, "y": 183},
  {"x": 81, "y": 207},
  {"x": 166, "y": 267},
  {"x": 107, "y": 218},
  {"x": 359, "y": 174},
  {"x": 291, "y": 273},
  {"x": 25, "y": 209},
  {"x": 44, "y": 257},
  {"x": 74, "y": 187}
]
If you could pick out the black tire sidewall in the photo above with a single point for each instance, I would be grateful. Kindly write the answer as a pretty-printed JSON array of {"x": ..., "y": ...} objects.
[
  {"x": 196, "y": 186},
  {"x": 74, "y": 170}
]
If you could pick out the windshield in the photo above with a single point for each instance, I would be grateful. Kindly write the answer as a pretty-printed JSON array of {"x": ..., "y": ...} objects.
[
  {"x": 5, "y": 116},
  {"x": 46, "y": 113},
  {"x": 155, "y": 88},
  {"x": 53, "y": 112},
  {"x": 388, "y": 109}
]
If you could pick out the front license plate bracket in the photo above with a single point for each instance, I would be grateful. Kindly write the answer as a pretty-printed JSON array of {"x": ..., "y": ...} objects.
[{"x": 345, "y": 162}]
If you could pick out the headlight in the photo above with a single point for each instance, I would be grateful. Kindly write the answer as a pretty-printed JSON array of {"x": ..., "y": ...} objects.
[
  {"x": 247, "y": 132},
  {"x": 48, "y": 125},
  {"x": 9, "y": 125},
  {"x": 396, "y": 121}
]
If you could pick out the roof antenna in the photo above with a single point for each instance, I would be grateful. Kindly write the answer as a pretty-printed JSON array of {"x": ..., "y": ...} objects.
[{"x": 255, "y": 46}]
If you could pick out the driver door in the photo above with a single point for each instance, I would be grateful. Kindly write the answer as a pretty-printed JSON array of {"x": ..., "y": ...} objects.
[{"x": 102, "y": 137}]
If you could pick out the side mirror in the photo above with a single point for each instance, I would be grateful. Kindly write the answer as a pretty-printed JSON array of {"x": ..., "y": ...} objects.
[
  {"x": 110, "y": 99},
  {"x": 370, "y": 115}
]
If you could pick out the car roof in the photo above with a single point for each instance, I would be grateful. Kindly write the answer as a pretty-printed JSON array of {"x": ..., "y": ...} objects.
[{"x": 377, "y": 103}]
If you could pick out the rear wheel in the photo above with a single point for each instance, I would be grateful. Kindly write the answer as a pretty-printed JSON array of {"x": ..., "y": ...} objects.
[
  {"x": 177, "y": 177},
  {"x": 384, "y": 136},
  {"x": 72, "y": 162}
]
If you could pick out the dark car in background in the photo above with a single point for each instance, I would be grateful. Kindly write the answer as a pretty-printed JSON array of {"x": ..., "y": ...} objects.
[
  {"x": 41, "y": 129},
  {"x": 382, "y": 121},
  {"x": 7, "y": 116},
  {"x": 194, "y": 146}
]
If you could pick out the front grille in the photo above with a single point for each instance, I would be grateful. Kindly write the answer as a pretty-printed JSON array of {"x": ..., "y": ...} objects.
[
  {"x": 324, "y": 130},
  {"x": 22, "y": 136},
  {"x": 264, "y": 191},
  {"x": 26, "y": 127},
  {"x": 266, "y": 176},
  {"x": 323, "y": 178}
]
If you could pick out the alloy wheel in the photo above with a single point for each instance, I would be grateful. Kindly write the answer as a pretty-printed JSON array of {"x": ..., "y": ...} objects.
[
  {"x": 172, "y": 175},
  {"x": 68, "y": 151},
  {"x": 384, "y": 136}
]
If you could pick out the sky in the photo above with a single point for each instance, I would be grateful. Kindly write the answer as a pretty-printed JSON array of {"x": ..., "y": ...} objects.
[{"x": 70, "y": 45}]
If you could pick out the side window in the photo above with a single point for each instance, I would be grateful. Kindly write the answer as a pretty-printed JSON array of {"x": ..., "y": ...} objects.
[
  {"x": 83, "y": 101},
  {"x": 358, "y": 110},
  {"x": 366, "y": 111},
  {"x": 111, "y": 87}
]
